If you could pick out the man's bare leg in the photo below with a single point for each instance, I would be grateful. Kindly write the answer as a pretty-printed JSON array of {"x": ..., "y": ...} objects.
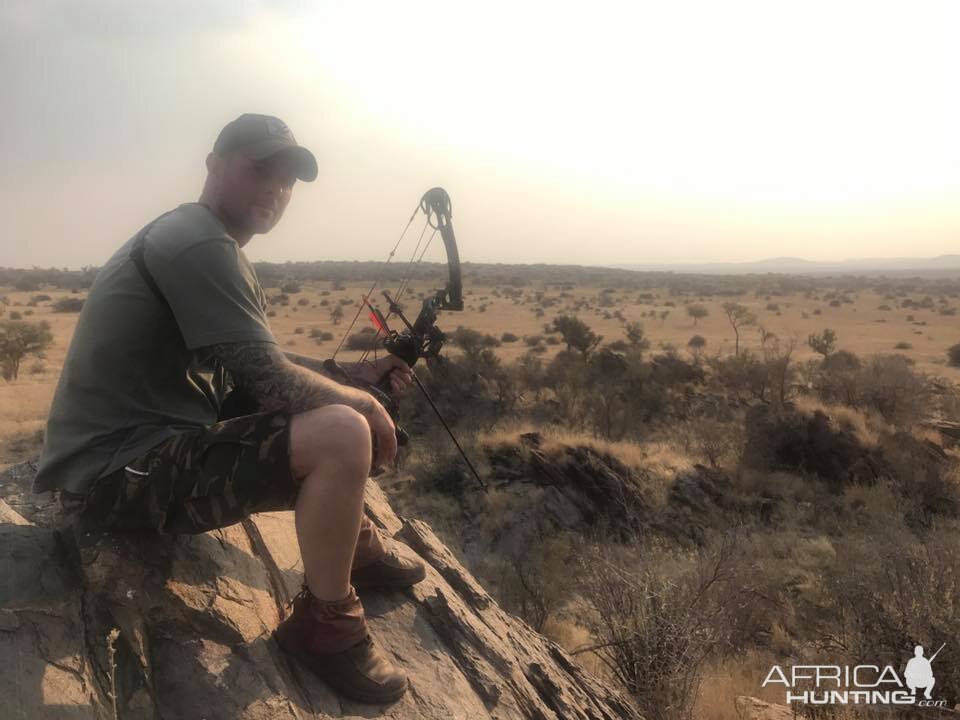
[{"x": 330, "y": 451}]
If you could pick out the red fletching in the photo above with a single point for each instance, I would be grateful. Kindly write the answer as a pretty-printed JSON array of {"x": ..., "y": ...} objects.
[{"x": 376, "y": 321}]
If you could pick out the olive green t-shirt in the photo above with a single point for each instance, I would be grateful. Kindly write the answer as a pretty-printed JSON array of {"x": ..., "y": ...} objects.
[{"x": 133, "y": 375}]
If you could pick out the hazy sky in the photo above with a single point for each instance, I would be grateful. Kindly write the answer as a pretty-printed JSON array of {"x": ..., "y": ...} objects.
[{"x": 591, "y": 133}]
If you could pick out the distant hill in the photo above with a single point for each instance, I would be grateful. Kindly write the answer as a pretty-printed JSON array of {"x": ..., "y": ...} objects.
[{"x": 791, "y": 265}]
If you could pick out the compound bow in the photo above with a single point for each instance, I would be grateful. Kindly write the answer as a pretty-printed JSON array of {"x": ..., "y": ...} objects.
[{"x": 422, "y": 338}]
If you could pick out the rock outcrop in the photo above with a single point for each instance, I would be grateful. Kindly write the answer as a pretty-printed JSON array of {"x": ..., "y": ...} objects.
[
  {"x": 153, "y": 626},
  {"x": 583, "y": 486}
]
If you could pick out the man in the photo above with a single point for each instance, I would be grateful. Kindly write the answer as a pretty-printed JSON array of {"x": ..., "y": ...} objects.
[{"x": 135, "y": 438}]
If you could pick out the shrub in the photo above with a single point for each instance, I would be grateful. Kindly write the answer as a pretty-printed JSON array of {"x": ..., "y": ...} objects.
[
  {"x": 953, "y": 355},
  {"x": 365, "y": 339},
  {"x": 19, "y": 339},
  {"x": 26, "y": 284},
  {"x": 576, "y": 334},
  {"x": 472, "y": 341},
  {"x": 68, "y": 304},
  {"x": 824, "y": 343},
  {"x": 656, "y": 645},
  {"x": 903, "y": 346},
  {"x": 889, "y": 385}
]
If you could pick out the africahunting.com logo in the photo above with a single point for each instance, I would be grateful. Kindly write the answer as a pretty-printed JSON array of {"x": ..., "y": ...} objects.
[{"x": 861, "y": 684}]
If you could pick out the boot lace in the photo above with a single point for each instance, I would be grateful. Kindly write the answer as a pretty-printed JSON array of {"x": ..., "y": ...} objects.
[{"x": 304, "y": 594}]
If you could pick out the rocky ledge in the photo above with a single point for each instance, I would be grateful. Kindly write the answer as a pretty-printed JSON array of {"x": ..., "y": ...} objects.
[{"x": 166, "y": 627}]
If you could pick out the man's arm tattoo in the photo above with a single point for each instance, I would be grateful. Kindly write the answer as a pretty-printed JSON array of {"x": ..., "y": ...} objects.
[
  {"x": 310, "y": 363},
  {"x": 315, "y": 364},
  {"x": 263, "y": 370}
]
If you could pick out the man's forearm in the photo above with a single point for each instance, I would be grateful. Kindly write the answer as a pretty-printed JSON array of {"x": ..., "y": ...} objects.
[
  {"x": 276, "y": 383},
  {"x": 305, "y": 361},
  {"x": 312, "y": 363}
]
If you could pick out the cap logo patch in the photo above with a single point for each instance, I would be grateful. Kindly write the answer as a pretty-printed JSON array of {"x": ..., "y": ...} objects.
[{"x": 277, "y": 127}]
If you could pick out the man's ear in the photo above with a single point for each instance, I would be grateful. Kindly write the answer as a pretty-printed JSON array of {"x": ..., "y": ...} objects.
[{"x": 214, "y": 163}]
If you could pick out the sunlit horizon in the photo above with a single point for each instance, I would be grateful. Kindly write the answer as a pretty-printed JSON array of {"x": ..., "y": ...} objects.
[{"x": 635, "y": 133}]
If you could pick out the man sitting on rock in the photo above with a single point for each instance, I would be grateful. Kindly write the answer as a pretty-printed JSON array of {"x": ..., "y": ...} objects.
[{"x": 136, "y": 438}]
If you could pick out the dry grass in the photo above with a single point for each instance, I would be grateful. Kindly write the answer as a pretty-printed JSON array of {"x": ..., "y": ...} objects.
[
  {"x": 868, "y": 428},
  {"x": 656, "y": 454},
  {"x": 729, "y": 678}
]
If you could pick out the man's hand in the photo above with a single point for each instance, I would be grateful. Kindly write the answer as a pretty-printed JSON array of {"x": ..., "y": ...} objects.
[
  {"x": 400, "y": 373},
  {"x": 383, "y": 430}
]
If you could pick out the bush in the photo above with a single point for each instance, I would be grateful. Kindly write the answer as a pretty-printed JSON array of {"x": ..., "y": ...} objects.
[
  {"x": 824, "y": 343},
  {"x": 576, "y": 334},
  {"x": 889, "y": 385},
  {"x": 19, "y": 339},
  {"x": 799, "y": 443},
  {"x": 472, "y": 341},
  {"x": 508, "y": 337},
  {"x": 26, "y": 284},
  {"x": 953, "y": 355},
  {"x": 68, "y": 304},
  {"x": 903, "y": 346},
  {"x": 366, "y": 339},
  {"x": 655, "y": 644}
]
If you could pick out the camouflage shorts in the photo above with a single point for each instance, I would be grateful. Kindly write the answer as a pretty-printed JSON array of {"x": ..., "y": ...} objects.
[{"x": 196, "y": 481}]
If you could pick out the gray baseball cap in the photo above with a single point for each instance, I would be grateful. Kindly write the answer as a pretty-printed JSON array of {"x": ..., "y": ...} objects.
[{"x": 261, "y": 136}]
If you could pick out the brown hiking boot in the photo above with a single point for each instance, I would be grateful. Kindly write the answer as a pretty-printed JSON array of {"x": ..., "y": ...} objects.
[
  {"x": 333, "y": 640},
  {"x": 393, "y": 570}
]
